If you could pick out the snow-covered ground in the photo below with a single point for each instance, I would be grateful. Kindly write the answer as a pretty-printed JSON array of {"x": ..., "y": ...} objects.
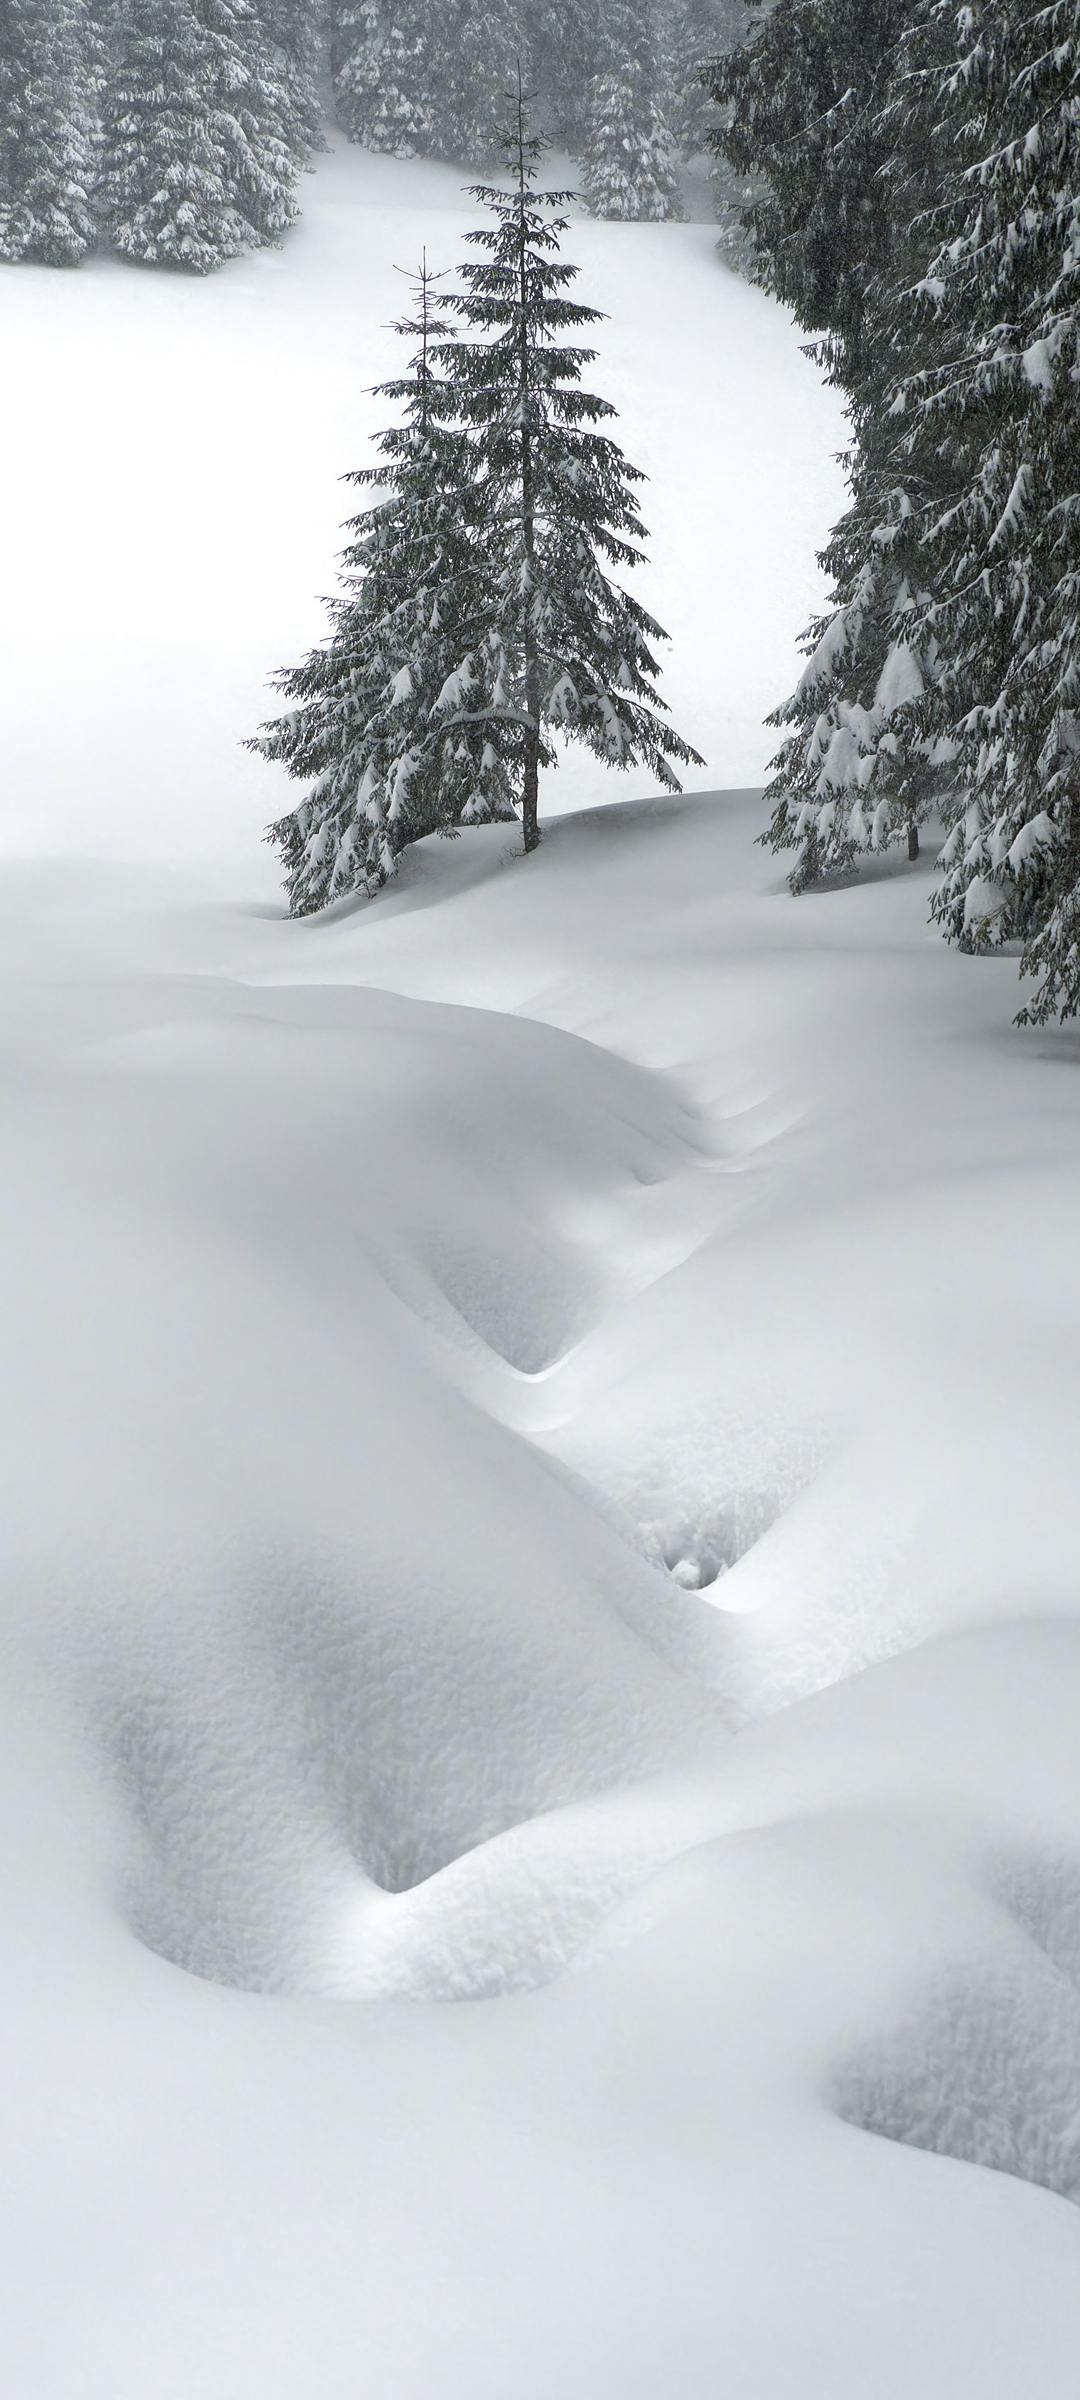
[{"x": 540, "y": 1855}]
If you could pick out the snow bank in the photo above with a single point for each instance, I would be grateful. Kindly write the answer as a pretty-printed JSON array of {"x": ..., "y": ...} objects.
[{"x": 396, "y": 1306}]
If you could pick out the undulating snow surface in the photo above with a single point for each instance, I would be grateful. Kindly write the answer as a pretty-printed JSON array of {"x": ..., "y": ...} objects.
[{"x": 541, "y": 1659}]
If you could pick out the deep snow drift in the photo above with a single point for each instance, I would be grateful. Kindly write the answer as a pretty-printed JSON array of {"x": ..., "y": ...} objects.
[
  {"x": 541, "y": 1835},
  {"x": 404, "y": 1312}
]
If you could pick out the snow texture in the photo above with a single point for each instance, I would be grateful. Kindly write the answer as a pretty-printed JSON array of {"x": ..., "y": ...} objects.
[{"x": 540, "y": 1473}]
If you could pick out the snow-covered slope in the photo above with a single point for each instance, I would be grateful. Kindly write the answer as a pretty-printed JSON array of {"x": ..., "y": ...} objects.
[
  {"x": 404, "y": 1313},
  {"x": 540, "y": 1847}
]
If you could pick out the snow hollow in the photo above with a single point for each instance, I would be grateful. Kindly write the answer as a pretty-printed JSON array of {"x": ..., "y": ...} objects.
[{"x": 540, "y": 1851}]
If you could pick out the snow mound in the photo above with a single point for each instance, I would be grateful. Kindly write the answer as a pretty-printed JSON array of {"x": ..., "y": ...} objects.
[{"x": 988, "y": 2072}]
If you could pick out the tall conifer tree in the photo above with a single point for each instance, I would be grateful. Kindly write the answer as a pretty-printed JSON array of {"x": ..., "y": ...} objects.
[
  {"x": 839, "y": 234},
  {"x": 386, "y": 722},
  {"x": 558, "y": 499},
  {"x": 383, "y": 75},
  {"x": 48, "y": 106},
  {"x": 629, "y": 150},
  {"x": 566, "y": 45},
  {"x": 698, "y": 33},
  {"x": 203, "y": 134},
  {"x": 998, "y": 402},
  {"x": 426, "y": 76}
]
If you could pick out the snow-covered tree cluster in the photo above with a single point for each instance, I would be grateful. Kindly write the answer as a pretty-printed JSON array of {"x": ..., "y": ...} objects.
[
  {"x": 173, "y": 131},
  {"x": 479, "y": 620},
  {"x": 618, "y": 82},
  {"x": 920, "y": 212}
]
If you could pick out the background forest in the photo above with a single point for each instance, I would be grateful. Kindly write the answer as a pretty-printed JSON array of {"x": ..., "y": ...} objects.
[{"x": 176, "y": 130}]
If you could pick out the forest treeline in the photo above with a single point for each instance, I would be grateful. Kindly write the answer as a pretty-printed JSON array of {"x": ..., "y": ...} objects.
[
  {"x": 917, "y": 206},
  {"x": 176, "y": 131}
]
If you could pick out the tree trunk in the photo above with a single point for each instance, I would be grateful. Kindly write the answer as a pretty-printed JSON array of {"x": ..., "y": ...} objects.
[
  {"x": 912, "y": 840},
  {"x": 528, "y": 798}
]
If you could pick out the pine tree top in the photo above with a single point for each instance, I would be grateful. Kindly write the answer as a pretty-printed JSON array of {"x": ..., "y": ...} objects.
[{"x": 517, "y": 291}]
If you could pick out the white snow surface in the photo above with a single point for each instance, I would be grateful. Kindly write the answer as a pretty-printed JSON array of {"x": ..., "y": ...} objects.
[{"x": 540, "y": 1851}]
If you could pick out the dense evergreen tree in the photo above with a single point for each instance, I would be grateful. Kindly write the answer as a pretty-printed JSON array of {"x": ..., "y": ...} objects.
[
  {"x": 204, "y": 134},
  {"x": 629, "y": 155},
  {"x": 48, "y": 106},
  {"x": 841, "y": 237},
  {"x": 949, "y": 673},
  {"x": 299, "y": 30},
  {"x": 801, "y": 110},
  {"x": 571, "y": 648},
  {"x": 383, "y": 79},
  {"x": 698, "y": 33},
  {"x": 427, "y": 77},
  {"x": 414, "y": 77},
  {"x": 566, "y": 46},
  {"x": 999, "y": 403},
  {"x": 386, "y": 721}
]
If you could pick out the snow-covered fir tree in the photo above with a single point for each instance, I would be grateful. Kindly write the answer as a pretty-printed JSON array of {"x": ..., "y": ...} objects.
[
  {"x": 571, "y": 650},
  {"x": 697, "y": 34},
  {"x": 427, "y": 76},
  {"x": 950, "y": 670},
  {"x": 999, "y": 403},
  {"x": 299, "y": 30},
  {"x": 799, "y": 108},
  {"x": 567, "y": 44},
  {"x": 383, "y": 723},
  {"x": 839, "y": 235},
  {"x": 384, "y": 74},
  {"x": 629, "y": 151},
  {"x": 204, "y": 133},
  {"x": 861, "y": 769},
  {"x": 48, "y": 107}
]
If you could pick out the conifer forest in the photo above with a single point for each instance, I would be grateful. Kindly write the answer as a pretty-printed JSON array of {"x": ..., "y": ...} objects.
[{"x": 539, "y": 1183}]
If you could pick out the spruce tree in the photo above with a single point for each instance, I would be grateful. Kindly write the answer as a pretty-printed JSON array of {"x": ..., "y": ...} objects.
[
  {"x": 698, "y": 33},
  {"x": 203, "y": 136},
  {"x": 998, "y": 403},
  {"x": 571, "y": 648},
  {"x": 385, "y": 722},
  {"x": 567, "y": 45},
  {"x": 801, "y": 108},
  {"x": 427, "y": 76},
  {"x": 629, "y": 152},
  {"x": 840, "y": 235},
  {"x": 47, "y": 131},
  {"x": 384, "y": 75},
  {"x": 297, "y": 30}
]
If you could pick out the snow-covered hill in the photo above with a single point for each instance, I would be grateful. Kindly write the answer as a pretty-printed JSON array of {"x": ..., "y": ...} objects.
[{"x": 541, "y": 1837}]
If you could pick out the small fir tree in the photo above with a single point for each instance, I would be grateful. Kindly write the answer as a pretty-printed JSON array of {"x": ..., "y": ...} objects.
[
  {"x": 203, "y": 134},
  {"x": 572, "y": 648},
  {"x": 47, "y": 131},
  {"x": 386, "y": 722},
  {"x": 629, "y": 157}
]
